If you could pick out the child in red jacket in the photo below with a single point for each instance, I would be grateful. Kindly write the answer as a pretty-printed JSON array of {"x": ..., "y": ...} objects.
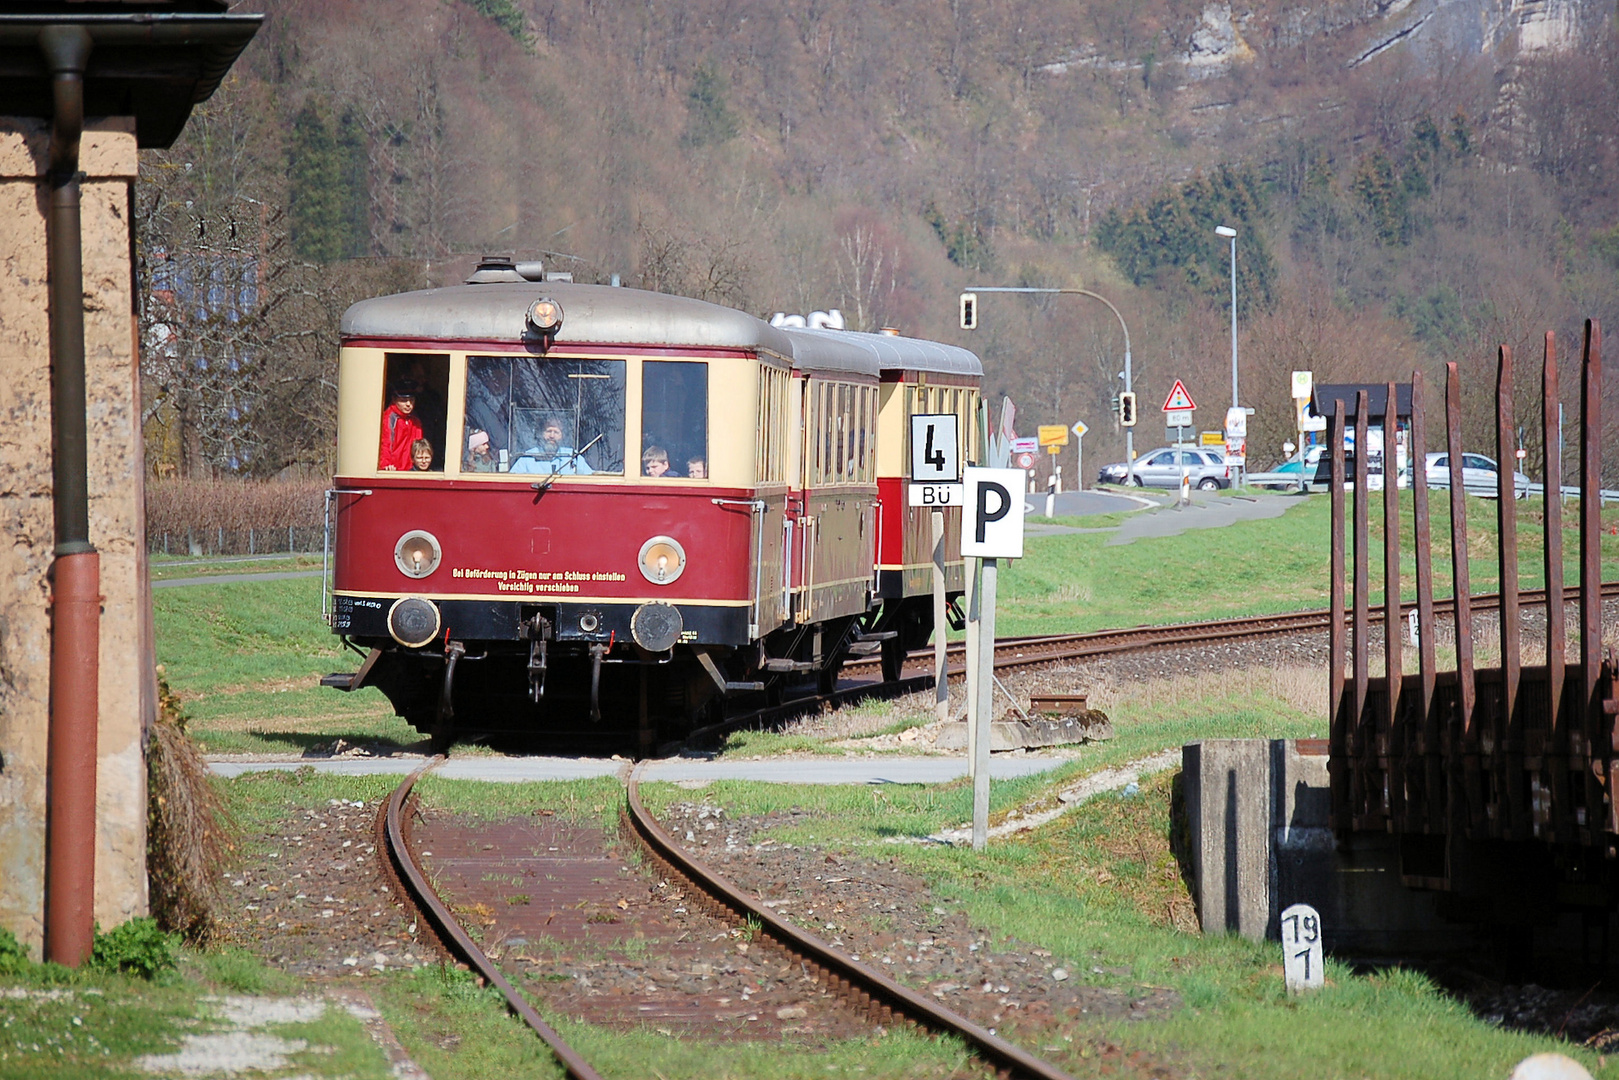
[{"x": 400, "y": 429}]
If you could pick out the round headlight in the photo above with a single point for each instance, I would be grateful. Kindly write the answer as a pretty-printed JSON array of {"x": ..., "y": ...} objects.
[
  {"x": 413, "y": 621},
  {"x": 417, "y": 554},
  {"x": 662, "y": 560},
  {"x": 545, "y": 315},
  {"x": 656, "y": 627}
]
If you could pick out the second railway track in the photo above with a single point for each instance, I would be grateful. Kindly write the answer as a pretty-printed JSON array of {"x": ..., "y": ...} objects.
[{"x": 1024, "y": 652}]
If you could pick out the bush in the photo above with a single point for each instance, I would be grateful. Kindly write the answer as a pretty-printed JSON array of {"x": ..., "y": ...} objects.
[
  {"x": 188, "y": 833},
  {"x": 197, "y": 510},
  {"x": 13, "y": 956},
  {"x": 139, "y": 947}
]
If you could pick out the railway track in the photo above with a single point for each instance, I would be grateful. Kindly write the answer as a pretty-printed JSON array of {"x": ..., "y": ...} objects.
[
  {"x": 881, "y": 999},
  {"x": 1026, "y": 652},
  {"x": 1022, "y": 653}
]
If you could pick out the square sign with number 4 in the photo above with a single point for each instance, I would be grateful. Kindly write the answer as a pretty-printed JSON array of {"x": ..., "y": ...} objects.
[
  {"x": 935, "y": 460},
  {"x": 935, "y": 450}
]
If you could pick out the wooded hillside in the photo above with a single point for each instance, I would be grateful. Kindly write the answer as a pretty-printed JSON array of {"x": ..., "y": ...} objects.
[{"x": 1397, "y": 205}]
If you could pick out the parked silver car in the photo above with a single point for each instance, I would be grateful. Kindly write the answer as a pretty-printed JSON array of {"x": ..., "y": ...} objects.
[
  {"x": 1162, "y": 468},
  {"x": 1480, "y": 476}
]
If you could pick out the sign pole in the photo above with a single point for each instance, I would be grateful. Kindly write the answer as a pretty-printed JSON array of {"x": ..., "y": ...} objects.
[
  {"x": 1079, "y": 429},
  {"x": 991, "y": 530},
  {"x": 941, "y": 682},
  {"x": 984, "y": 703},
  {"x": 974, "y": 581}
]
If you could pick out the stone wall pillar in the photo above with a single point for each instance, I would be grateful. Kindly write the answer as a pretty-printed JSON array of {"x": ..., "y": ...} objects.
[{"x": 117, "y": 520}]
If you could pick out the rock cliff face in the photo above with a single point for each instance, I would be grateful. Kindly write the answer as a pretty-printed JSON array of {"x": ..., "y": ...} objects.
[{"x": 1224, "y": 36}]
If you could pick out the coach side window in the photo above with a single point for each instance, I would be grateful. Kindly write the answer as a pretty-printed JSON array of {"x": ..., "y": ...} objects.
[
  {"x": 415, "y": 391},
  {"x": 674, "y": 419}
]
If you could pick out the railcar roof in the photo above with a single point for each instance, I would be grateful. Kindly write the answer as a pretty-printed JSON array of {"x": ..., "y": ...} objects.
[
  {"x": 496, "y": 312},
  {"x": 891, "y": 353}
]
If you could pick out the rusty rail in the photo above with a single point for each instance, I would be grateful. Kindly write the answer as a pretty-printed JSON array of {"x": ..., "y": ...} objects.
[
  {"x": 1514, "y": 753},
  {"x": 867, "y": 985}
]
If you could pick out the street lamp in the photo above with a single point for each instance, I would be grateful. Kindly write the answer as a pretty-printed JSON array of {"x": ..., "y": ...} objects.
[{"x": 1231, "y": 234}]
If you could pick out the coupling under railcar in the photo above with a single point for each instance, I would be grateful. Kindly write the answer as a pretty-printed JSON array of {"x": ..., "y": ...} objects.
[{"x": 617, "y": 503}]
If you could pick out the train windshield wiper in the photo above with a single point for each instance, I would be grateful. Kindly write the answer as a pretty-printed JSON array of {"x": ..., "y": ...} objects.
[{"x": 542, "y": 485}]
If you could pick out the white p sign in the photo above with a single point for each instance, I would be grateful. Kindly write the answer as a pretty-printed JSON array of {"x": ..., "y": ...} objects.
[{"x": 992, "y": 513}]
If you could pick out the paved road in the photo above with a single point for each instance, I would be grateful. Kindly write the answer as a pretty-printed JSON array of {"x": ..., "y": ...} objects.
[
  {"x": 1085, "y": 503},
  {"x": 1163, "y": 517},
  {"x": 1206, "y": 511},
  {"x": 227, "y": 579},
  {"x": 795, "y": 770}
]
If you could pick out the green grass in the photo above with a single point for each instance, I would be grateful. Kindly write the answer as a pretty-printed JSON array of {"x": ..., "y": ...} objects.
[
  {"x": 79, "y": 1025},
  {"x": 246, "y": 659},
  {"x": 1088, "y": 521}
]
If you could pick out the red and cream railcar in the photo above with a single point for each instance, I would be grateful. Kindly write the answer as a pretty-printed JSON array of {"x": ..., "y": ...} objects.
[{"x": 626, "y": 503}]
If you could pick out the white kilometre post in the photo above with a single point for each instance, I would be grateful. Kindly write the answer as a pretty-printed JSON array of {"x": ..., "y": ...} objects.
[
  {"x": 1302, "y": 967},
  {"x": 941, "y": 681},
  {"x": 991, "y": 529}
]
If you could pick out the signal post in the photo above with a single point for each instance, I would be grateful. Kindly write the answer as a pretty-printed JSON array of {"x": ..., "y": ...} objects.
[
  {"x": 935, "y": 477},
  {"x": 991, "y": 530}
]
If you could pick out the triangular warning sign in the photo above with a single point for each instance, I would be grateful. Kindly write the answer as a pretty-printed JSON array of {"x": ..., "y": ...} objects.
[{"x": 1178, "y": 400}]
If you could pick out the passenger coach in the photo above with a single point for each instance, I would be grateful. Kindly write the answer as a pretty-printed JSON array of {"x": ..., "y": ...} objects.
[{"x": 617, "y": 504}]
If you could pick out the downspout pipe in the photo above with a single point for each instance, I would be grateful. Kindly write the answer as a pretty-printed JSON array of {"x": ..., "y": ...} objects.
[{"x": 70, "y": 813}]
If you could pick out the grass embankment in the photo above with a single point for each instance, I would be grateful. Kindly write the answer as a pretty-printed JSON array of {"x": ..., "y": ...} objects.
[
  {"x": 168, "y": 568},
  {"x": 1080, "y": 582},
  {"x": 245, "y": 659}
]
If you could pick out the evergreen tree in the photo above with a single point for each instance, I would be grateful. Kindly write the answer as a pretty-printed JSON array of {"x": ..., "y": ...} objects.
[
  {"x": 709, "y": 119},
  {"x": 328, "y": 197},
  {"x": 1173, "y": 235}
]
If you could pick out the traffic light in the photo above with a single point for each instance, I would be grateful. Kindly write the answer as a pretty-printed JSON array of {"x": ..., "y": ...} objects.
[
  {"x": 1127, "y": 409},
  {"x": 969, "y": 311}
]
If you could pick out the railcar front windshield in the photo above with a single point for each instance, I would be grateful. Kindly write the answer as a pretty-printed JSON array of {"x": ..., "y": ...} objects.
[{"x": 531, "y": 415}]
